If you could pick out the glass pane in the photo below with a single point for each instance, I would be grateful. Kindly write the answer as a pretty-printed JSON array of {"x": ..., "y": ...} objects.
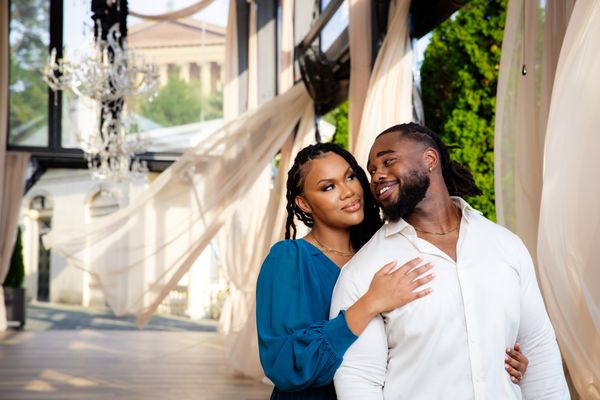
[
  {"x": 190, "y": 55},
  {"x": 78, "y": 114},
  {"x": 28, "y": 93},
  {"x": 335, "y": 26}
]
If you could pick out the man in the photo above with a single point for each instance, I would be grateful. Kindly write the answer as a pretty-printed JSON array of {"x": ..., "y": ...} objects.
[{"x": 485, "y": 297}]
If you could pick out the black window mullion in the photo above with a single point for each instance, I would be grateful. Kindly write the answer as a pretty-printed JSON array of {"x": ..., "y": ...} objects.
[{"x": 55, "y": 98}]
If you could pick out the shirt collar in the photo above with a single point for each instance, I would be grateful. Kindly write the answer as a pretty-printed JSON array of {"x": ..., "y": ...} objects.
[{"x": 401, "y": 225}]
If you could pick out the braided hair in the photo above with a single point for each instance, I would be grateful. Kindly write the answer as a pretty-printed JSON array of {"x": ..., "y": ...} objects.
[
  {"x": 359, "y": 234},
  {"x": 458, "y": 178}
]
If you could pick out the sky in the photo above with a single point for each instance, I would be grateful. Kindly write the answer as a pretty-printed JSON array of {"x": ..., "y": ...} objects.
[
  {"x": 216, "y": 13},
  {"x": 78, "y": 22}
]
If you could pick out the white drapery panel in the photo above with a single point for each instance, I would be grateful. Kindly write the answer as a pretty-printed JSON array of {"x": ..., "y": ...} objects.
[
  {"x": 389, "y": 98},
  {"x": 11, "y": 193},
  {"x": 139, "y": 253},
  {"x": 183, "y": 13},
  {"x": 522, "y": 104},
  {"x": 240, "y": 239},
  {"x": 246, "y": 239},
  {"x": 359, "y": 36},
  {"x": 570, "y": 216}
]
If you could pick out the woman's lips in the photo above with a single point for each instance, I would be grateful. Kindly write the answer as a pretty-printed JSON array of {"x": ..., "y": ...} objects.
[{"x": 352, "y": 207}]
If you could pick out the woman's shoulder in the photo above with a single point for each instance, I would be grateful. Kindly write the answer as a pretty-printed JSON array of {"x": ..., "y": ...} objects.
[
  {"x": 284, "y": 251},
  {"x": 283, "y": 259}
]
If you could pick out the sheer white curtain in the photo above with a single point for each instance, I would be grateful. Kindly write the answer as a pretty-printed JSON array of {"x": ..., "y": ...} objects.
[
  {"x": 182, "y": 13},
  {"x": 532, "y": 37},
  {"x": 11, "y": 193},
  {"x": 389, "y": 97},
  {"x": 138, "y": 254},
  {"x": 259, "y": 222},
  {"x": 359, "y": 36},
  {"x": 569, "y": 229}
]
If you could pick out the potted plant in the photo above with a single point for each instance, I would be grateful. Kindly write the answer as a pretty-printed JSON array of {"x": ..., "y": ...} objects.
[{"x": 14, "y": 292}]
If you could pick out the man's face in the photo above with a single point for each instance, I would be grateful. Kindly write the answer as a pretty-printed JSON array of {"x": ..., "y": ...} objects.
[{"x": 399, "y": 179}]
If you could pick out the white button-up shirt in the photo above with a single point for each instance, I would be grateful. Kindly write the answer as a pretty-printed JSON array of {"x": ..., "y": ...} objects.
[{"x": 451, "y": 344}]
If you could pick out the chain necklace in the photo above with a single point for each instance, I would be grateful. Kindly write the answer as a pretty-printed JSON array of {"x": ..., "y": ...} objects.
[
  {"x": 442, "y": 233},
  {"x": 327, "y": 249}
]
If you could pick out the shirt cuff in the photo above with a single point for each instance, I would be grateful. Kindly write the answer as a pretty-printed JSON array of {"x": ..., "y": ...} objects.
[{"x": 338, "y": 334}]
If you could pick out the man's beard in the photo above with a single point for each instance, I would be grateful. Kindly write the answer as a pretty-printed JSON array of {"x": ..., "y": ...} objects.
[{"x": 411, "y": 193}]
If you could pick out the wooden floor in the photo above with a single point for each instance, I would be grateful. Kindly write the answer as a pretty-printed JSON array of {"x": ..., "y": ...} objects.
[{"x": 93, "y": 364}]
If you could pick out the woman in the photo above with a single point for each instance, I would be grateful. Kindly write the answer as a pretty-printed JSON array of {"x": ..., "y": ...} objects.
[{"x": 300, "y": 348}]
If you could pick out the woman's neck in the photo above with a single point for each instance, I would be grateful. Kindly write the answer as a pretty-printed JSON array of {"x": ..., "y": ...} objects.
[{"x": 331, "y": 238}]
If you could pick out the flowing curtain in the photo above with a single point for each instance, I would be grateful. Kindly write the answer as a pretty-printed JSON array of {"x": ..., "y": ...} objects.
[
  {"x": 359, "y": 36},
  {"x": 389, "y": 97},
  {"x": 182, "y": 13},
  {"x": 570, "y": 216},
  {"x": 259, "y": 222},
  {"x": 139, "y": 253},
  {"x": 11, "y": 193},
  {"x": 532, "y": 38},
  {"x": 12, "y": 167}
]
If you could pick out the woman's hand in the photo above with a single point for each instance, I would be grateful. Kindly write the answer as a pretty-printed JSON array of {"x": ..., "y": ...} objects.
[
  {"x": 390, "y": 290},
  {"x": 515, "y": 363}
]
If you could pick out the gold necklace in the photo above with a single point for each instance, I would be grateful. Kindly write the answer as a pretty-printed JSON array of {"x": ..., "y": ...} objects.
[
  {"x": 325, "y": 248},
  {"x": 442, "y": 233}
]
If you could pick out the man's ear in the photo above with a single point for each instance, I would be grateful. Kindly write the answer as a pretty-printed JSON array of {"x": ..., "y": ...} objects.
[
  {"x": 431, "y": 158},
  {"x": 303, "y": 204}
]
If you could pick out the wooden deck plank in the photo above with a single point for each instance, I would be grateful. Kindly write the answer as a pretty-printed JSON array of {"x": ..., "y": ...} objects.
[{"x": 119, "y": 365}]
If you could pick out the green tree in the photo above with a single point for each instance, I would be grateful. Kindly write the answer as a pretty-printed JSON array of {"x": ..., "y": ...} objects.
[
  {"x": 213, "y": 106},
  {"x": 339, "y": 117},
  {"x": 28, "y": 99},
  {"x": 176, "y": 103},
  {"x": 16, "y": 271},
  {"x": 459, "y": 76},
  {"x": 180, "y": 102}
]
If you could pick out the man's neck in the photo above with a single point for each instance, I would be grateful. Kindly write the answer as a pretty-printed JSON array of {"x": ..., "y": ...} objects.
[{"x": 435, "y": 213}]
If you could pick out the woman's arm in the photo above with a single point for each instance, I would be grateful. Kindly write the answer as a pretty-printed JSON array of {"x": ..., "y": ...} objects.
[{"x": 296, "y": 351}]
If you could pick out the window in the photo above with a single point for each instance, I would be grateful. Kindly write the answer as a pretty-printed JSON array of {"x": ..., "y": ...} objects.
[{"x": 29, "y": 39}]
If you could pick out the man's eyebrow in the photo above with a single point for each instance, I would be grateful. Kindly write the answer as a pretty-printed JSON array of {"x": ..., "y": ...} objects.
[{"x": 384, "y": 152}]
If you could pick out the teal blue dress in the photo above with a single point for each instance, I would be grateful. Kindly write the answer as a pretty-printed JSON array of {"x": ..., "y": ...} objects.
[{"x": 300, "y": 348}]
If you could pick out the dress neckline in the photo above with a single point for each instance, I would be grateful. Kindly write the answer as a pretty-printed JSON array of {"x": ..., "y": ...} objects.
[{"x": 317, "y": 251}]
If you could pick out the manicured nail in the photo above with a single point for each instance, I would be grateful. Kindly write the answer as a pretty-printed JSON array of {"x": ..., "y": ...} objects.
[
  {"x": 506, "y": 366},
  {"x": 505, "y": 358},
  {"x": 508, "y": 350}
]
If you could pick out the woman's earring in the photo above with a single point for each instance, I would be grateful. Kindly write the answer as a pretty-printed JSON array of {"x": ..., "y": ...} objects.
[{"x": 430, "y": 169}]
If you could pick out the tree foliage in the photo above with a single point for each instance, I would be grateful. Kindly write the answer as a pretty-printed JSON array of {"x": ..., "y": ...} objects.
[
  {"x": 459, "y": 76},
  {"x": 29, "y": 36},
  {"x": 16, "y": 271},
  {"x": 339, "y": 117},
  {"x": 180, "y": 102}
]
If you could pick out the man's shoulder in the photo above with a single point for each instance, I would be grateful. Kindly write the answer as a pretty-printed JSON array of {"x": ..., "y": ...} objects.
[{"x": 492, "y": 231}]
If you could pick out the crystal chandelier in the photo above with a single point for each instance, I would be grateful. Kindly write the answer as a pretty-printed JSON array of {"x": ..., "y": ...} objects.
[{"x": 107, "y": 73}]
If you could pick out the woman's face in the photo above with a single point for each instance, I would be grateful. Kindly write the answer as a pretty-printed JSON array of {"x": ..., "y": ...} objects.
[{"x": 332, "y": 192}]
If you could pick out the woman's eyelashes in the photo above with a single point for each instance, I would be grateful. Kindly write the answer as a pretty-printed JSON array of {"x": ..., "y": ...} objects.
[{"x": 331, "y": 186}]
